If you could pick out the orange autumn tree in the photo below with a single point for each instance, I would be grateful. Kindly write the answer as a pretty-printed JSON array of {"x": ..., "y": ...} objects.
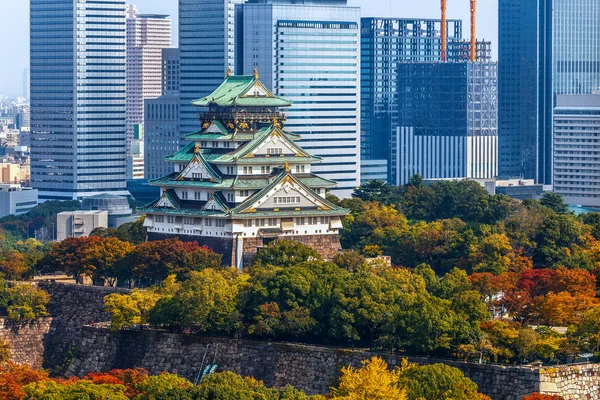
[
  {"x": 14, "y": 376},
  {"x": 538, "y": 396}
]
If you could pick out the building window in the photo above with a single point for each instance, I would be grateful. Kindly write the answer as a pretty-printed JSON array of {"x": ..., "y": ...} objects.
[
  {"x": 230, "y": 197},
  {"x": 184, "y": 195},
  {"x": 299, "y": 168},
  {"x": 272, "y": 221},
  {"x": 230, "y": 171},
  {"x": 170, "y": 219},
  {"x": 300, "y": 221},
  {"x": 287, "y": 200},
  {"x": 160, "y": 218},
  {"x": 208, "y": 222},
  {"x": 220, "y": 223},
  {"x": 244, "y": 193},
  {"x": 188, "y": 220},
  {"x": 203, "y": 144},
  {"x": 196, "y": 175},
  {"x": 248, "y": 223},
  {"x": 247, "y": 170},
  {"x": 313, "y": 220},
  {"x": 260, "y": 222},
  {"x": 324, "y": 220},
  {"x": 197, "y": 195},
  {"x": 265, "y": 170},
  {"x": 274, "y": 151}
]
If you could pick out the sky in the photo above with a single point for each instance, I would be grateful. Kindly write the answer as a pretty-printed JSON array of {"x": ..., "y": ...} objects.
[{"x": 14, "y": 26}]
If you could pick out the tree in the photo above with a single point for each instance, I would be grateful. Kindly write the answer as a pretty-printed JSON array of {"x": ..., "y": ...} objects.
[
  {"x": 73, "y": 390},
  {"x": 4, "y": 352},
  {"x": 538, "y": 396},
  {"x": 130, "y": 309},
  {"x": 68, "y": 256},
  {"x": 555, "y": 202},
  {"x": 437, "y": 382},
  {"x": 105, "y": 258},
  {"x": 13, "y": 377},
  {"x": 23, "y": 302},
  {"x": 13, "y": 265},
  {"x": 373, "y": 381},
  {"x": 377, "y": 191},
  {"x": 492, "y": 253},
  {"x": 285, "y": 253},
  {"x": 588, "y": 329},
  {"x": 207, "y": 301},
  {"x": 154, "y": 386}
]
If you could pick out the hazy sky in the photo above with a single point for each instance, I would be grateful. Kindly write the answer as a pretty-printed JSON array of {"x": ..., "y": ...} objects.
[{"x": 14, "y": 26}]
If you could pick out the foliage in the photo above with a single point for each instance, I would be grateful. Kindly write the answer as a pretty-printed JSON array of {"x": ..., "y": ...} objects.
[
  {"x": 538, "y": 396},
  {"x": 373, "y": 381},
  {"x": 4, "y": 352},
  {"x": 437, "y": 382},
  {"x": 132, "y": 309},
  {"x": 555, "y": 202},
  {"x": 285, "y": 253},
  {"x": 22, "y": 302},
  {"x": 131, "y": 232}
]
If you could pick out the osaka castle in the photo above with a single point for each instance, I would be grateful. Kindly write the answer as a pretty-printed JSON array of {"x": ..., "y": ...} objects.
[{"x": 243, "y": 181}]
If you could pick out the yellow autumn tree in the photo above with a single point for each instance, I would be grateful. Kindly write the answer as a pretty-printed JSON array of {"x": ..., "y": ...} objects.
[{"x": 373, "y": 381}]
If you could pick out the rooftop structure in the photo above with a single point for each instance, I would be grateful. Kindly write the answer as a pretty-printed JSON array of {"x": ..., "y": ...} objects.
[{"x": 243, "y": 181}]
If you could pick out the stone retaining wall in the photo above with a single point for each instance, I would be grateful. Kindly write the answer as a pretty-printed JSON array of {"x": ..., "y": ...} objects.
[
  {"x": 313, "y": 369},
  {"x": 26, "y": 340},
  {"x": 71, "y": 307}
]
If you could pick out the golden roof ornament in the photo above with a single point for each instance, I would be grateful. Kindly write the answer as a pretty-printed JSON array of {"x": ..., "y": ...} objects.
[
  {"x": 197, "y": 148},
  {"x": 255, "y": 73},
  {"x": 286, "y": 166},
  {"x": 228, "y": 73}
]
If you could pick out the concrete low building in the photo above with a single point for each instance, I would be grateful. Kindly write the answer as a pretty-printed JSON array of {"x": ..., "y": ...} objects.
[
  {"x": 16, "y": 200},
  {"x": 79, "y": 223},
  {"x": 519, "y": 189},
  {"x": 117, "y": 208}
]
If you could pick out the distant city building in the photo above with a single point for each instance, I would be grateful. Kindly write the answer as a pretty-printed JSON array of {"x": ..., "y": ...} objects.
[
  {"x": 161, "y": 119},
  {"x": 385, "y": 42},
  {"x": 135, "y": 158},
  {"x": 147, "y": 36},
  {"x": 76, "y": 224},
  {"x": 161, "y": 136},
  {"x": 206, "y": 51},
  {"x": 23, "y": 119},
  {"x": 78, "y": 142},
  {"x": 170, "y": 71},
  {"x": 15, "y": 173},
  {"x": 309, "y": 52},
  {"x": 447, "y": 121},
  {"x": 243, "y": 180},
  {"x": 577, "y": 149},
  {"x": 373, "y": 170},
  {"x": 117, "y": 207},
  {"x": 16, "y": 200},
  {"x": 546, "y": 47}
]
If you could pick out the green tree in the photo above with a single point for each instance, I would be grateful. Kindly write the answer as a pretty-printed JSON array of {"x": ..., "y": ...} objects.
[
  {"x": 23, "y": 302},
  {"x": 130, "y": 309},
  {"x": 159, "y": 385},
  {"x": 285, "y": 253},
  {"x": 377, "y": 191},
  {"x": 555, "y": 202},
  {"x": 437, "y": 382},
  {"x": 78, "y": 390}
]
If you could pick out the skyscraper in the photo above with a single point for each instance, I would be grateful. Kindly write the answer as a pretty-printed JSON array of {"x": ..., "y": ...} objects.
[
  {"x": 161, "y": 119},
  {"x": 206, "y": 48},
  {"x": 447, "y": 121},
  {"x": 308, "y": 51},
  {"x": 77, "y": 98},
  {"x": 525, "y": 89},
  {"x": 147, "y": 35}
]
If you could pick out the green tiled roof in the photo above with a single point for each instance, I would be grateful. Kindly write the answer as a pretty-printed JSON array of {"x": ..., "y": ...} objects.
[
  {"x": 260, "y": 182},
  {"x": 214, "y": 173},
  {"x": 232, "y": 91},
  {"x": 240, "y": 137}
]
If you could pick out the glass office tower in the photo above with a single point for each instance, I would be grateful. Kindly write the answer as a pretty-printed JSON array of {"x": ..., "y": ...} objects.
[
  {"x": 308, "y": 51},
  {"x": 77, "y": 98},
  {"x": 447, "y": 121},
  {"x": 384, "y": 43},
  {"x": 206, "y": 50}
]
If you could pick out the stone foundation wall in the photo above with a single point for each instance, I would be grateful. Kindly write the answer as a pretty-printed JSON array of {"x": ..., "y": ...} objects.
[
  {"x": 71, "y": 307},
  {"x": 313, "y": 369},
  {"x": 326, "y": 245},
  {"x": 26, "y": 340}
]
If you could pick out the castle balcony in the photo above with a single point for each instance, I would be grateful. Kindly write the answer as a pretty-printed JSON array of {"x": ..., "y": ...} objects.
[{"x": 243, "y": 116}]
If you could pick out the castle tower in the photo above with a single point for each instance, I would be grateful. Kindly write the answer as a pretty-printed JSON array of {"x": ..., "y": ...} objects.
[{"x": 242, "y": 181}]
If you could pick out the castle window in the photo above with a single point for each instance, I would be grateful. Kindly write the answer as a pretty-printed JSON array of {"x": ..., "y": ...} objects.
[
  {"x": 247, "y": 223},
  {"x": 244, "y": 193},
  {"x": 230, "y": 197},
  {"x": 300, "y": 221},
  {"x": 160, "y": 218},
  {"x": 287, "y": 200},
  {"x": 170, "y": 219},
  {"x": 220, "y": 222},
  {"x": 265, "y": 170},
  {"x": 197, "y": 195},
  {"x": 184, "y": 195},
  {"x": 203, "y": 144},
  {"x": 247, "y": 170},
  {"x": 299, "y": 168},
  {"x": 208, "y": 222},
  {"x": 230, "y": 171},
  {"x": 188, "y": 220},
  {"x": 274, "y": 151},
  {"x": 313, "y": 220},
  {"x": 260, "y": 222},
  {"x": 324, "y": 220},
  {"x": 272, "y": 221}
]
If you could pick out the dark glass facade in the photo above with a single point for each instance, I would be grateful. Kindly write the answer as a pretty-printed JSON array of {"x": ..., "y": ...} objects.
[{"x": 525, "y": 89}]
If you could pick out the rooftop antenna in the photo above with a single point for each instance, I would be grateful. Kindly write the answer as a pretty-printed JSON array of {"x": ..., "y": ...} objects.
[
  {"x": 444, "y": 33},
  {"x": 473, "y": 55}
]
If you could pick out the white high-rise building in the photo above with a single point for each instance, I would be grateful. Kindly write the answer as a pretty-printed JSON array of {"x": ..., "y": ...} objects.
[
  {"x": 309, "y": 52},
  {"x": 77, "y": 54},
  {"x": 147, "y": 36}
]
